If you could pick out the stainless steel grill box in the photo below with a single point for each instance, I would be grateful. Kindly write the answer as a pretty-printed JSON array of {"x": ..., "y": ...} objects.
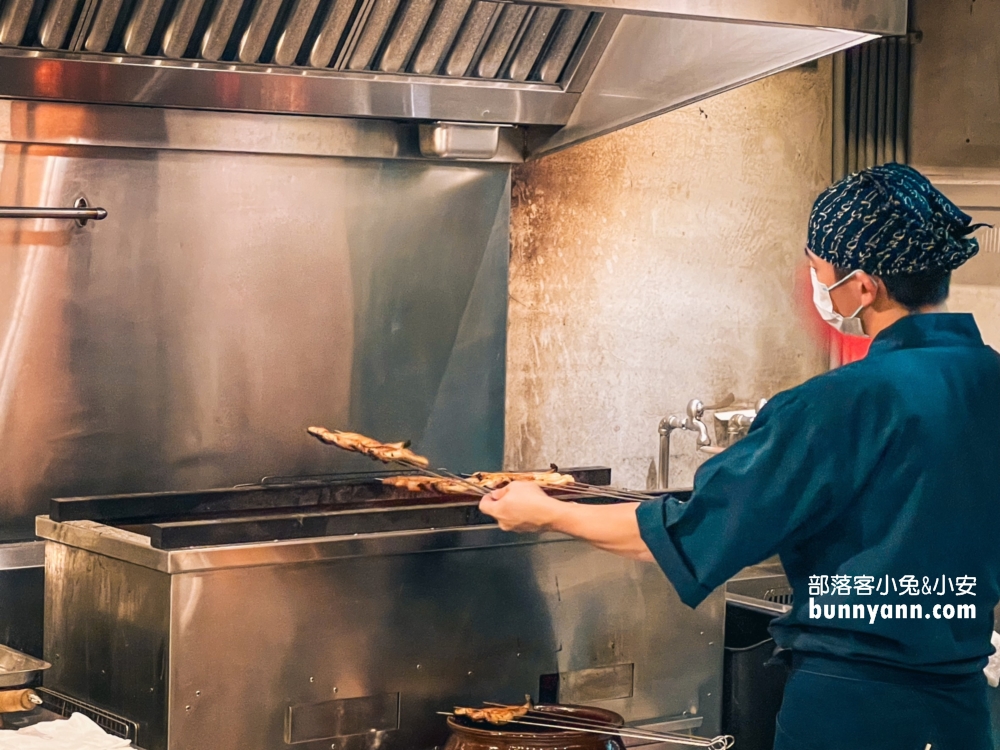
[{"x": 363, "y": 613}]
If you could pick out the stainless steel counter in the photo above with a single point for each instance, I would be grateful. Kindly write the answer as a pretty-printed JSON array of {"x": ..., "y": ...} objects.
[{"x": 358, "y": 641}]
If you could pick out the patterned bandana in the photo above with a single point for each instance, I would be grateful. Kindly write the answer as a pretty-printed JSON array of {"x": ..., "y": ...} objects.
[{"x": 890, "y": 221}]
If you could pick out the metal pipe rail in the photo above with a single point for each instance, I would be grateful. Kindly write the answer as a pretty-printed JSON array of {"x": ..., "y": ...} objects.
[{"x": 82, "y": 212}]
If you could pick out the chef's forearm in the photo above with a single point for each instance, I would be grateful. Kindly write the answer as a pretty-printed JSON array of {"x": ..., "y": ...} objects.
[{"x": 613, "y": 528}]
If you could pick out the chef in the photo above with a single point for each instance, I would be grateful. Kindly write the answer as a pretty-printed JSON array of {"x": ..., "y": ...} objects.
[{"x": 877, "y": 484}]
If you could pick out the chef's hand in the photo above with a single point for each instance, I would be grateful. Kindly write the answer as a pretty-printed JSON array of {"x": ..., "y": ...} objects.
[{"x": 522, "y": 506}]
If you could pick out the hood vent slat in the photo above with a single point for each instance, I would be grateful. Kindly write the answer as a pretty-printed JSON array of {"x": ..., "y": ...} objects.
[
  {"x": 441, "y": 33},
  {"x": 505, "y": 34},
  {"x": 482, "y": 39},
  {"x": 139, "y": 31},
  {"x": 55, "y": 23},
  {"x": 330, "y": 34},
  {"x": 255, "y": 36},
  {"x": 403, "y": 37},
  {"x": 14, "y": 21},
  {"x": 532, "y": 43},
  {"x": 220, "y": 28},
  {"x": 371, "y": 34},
  {"x": 290, "y": 42},
  {"x": 471, "y": 38},
  {"x": 181, "y": 28},
  {"x": 103, "y": 25}
]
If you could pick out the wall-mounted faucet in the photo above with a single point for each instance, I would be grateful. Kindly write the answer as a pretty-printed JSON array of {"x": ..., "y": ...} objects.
[
  {"x": 735, "y": 427},
  {"x": 693, "y": 422}
]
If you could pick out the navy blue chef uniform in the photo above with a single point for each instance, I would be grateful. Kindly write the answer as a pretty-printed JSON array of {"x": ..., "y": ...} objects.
[{"x": 879, "y": 470}]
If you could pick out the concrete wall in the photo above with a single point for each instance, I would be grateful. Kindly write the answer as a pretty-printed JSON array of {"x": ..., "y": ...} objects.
[
  {"x": 955, "y": 100},
  {"x": 658, "y": 264},
  {"x": 955, "y": 132}
]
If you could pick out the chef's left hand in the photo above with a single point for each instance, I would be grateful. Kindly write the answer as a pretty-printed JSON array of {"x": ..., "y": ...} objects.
[{"x": 522, "y": 506}]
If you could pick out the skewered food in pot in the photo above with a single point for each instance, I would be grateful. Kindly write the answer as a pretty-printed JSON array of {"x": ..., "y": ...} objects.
[
  {"x": 496, "y": 714},
  {"x": 352, "y": 441}
]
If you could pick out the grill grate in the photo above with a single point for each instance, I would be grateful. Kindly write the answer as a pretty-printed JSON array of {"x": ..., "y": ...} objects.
[
  {"x": 64, "y": 706},
  {"x": 453, "y": 38}
]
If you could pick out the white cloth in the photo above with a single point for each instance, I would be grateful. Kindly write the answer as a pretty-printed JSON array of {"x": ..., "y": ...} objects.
[
  {"x": 992, "y": 668},
  {"x": 75, "y": 733}
]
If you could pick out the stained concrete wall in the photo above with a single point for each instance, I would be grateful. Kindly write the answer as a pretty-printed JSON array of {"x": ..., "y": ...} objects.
[
  {"x": 955, "y": 128},
  {"x": 658, "y": 264},
  {"x": 955, "y": 98}
]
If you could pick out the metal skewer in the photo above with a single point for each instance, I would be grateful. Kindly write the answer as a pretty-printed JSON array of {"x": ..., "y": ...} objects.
[
  {"x": 718, "y": 743},
  {"x": 609, "y": 492},
  {"x": 597, "y": 723}
]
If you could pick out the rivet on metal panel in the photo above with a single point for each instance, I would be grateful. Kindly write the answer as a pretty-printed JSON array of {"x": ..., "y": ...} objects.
[
  {"x": 255, "y": 36},
  {"x": 441, "y": 32},
  {"x": 290, "y": 41},
  {"x": 177, "y": 37},
  {"x": 220, "y": 28},
  {"x": 140, "y": 27},
  {"x": 332, "y": 30}
]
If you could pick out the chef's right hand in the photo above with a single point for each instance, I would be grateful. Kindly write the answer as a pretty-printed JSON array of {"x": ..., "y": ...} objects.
[{"x": 522, "y": 507}]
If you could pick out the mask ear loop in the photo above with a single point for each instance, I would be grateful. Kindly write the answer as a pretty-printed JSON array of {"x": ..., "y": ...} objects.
[
  {"x": 876, "y": 279},
  {"x": 855, "y": 272}
]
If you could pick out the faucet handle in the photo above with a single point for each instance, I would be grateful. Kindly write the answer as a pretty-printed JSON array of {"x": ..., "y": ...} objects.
[{"x": 695, "y": 409}]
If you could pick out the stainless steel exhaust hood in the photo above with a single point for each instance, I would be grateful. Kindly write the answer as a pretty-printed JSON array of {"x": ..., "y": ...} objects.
[{"x": 566, "y": 70}]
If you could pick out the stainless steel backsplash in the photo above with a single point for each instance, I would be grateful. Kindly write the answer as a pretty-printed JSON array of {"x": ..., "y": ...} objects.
[{"x": 228, "y": 301}]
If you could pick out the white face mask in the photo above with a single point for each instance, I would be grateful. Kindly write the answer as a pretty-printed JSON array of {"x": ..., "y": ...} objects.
[{"x": 850, "y": 325}]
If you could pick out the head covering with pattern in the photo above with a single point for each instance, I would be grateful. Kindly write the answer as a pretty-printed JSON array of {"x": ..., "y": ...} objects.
[{"x": 890, "y": 221}]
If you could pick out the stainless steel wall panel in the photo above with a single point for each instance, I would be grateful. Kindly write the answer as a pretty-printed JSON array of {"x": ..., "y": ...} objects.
[
  {"x": 257, "y": 31},
  {"x": 231, "y": 300},
  {"x": 534, "y": 39},
  {"x": 409, "y": 26},
  {"x": 290, "y": 41},
  {"x": 441, "y": 33},
  {"x": 178, "y": 34}
]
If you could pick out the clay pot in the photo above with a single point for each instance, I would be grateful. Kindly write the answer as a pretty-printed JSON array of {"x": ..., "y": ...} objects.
[{"x": 470, "y": 735}]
